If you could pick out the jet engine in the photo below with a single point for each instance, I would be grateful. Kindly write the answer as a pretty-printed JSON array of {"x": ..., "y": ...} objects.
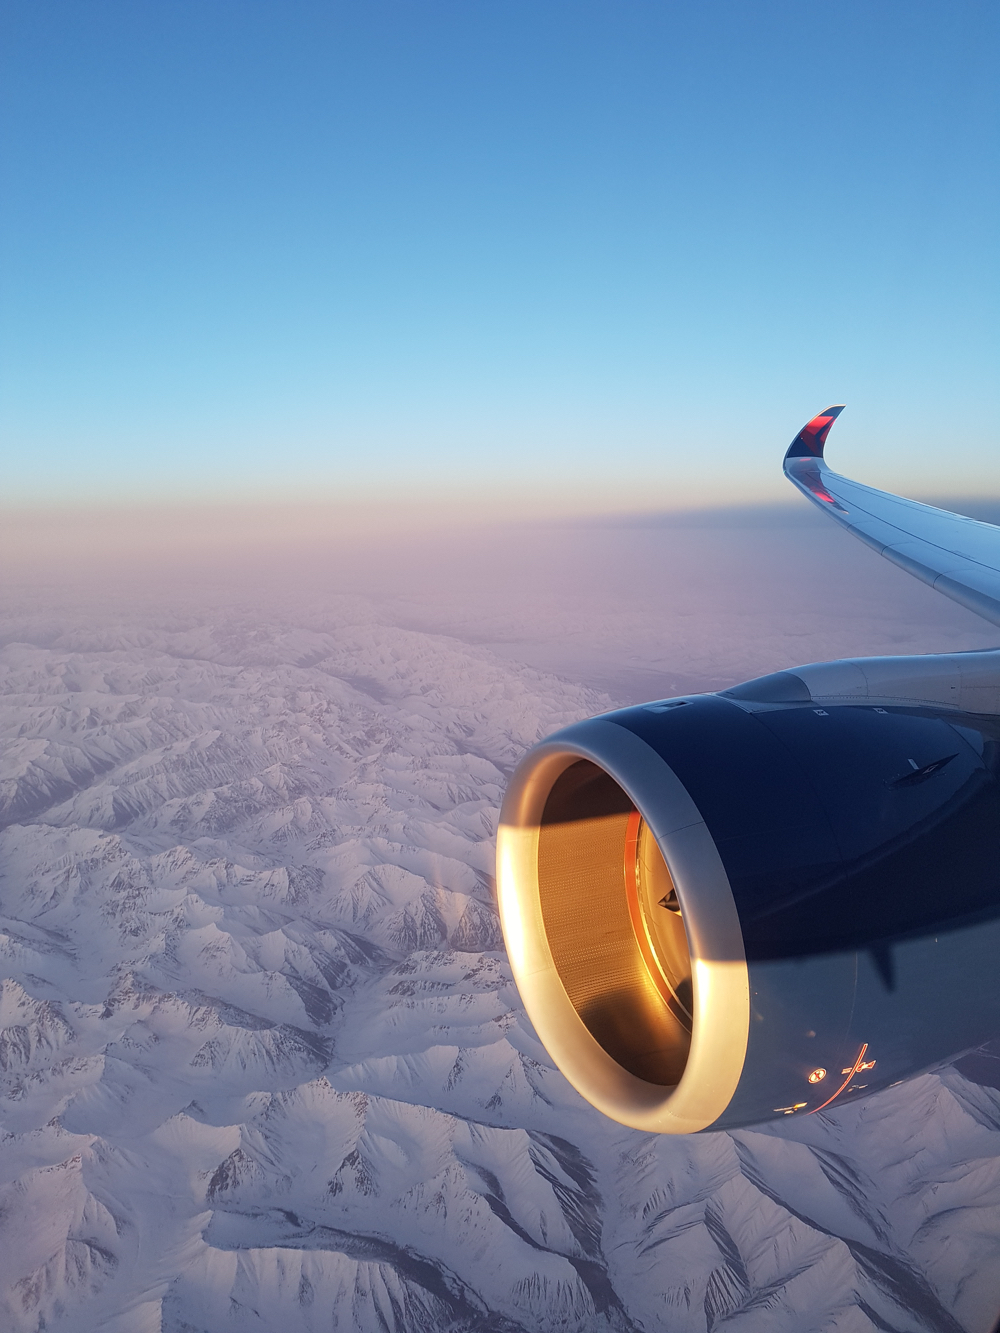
[{"x": 726, "y": 908}]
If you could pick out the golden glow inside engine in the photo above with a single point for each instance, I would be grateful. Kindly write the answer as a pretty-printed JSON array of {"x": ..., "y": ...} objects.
[{"x": 614, "y": 925}]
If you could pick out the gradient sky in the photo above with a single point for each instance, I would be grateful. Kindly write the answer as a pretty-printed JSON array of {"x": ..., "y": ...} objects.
[{"x": 594, "y": 254}]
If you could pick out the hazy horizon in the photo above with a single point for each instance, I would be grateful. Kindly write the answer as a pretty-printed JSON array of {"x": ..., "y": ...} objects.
[{"x": 80, "y": 541}]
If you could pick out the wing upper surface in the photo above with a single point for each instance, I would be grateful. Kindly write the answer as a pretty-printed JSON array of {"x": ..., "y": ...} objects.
[{"x": 958, "y": 556}]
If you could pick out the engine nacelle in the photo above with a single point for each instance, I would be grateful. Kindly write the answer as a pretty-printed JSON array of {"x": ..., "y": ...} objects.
[{"x": 720, "y": 909}]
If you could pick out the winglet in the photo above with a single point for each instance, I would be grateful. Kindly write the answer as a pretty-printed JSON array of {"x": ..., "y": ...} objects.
[{"x": 811, "y": 438}]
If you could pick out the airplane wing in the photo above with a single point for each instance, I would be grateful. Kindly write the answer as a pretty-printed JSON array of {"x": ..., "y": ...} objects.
[{"x": 958, "y": 556}]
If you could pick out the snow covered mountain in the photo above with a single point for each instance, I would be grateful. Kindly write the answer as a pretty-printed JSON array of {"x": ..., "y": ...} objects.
[{"x": 261, "y": 1062}]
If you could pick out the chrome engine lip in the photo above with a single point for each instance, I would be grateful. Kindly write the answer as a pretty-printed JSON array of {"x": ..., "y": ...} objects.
[{"x": 720, "y": 976}]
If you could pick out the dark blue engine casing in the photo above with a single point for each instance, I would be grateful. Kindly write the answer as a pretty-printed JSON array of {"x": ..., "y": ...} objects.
[
  {"x": 836, "y": 866},
  {"x": 862, "y": 845}
]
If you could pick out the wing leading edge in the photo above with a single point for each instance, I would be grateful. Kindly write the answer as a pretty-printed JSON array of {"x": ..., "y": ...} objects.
[{"x": 958, "y": 556}]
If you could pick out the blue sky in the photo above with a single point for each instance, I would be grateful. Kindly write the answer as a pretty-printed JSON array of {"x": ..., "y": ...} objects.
[{"x": 598, "y": 255}]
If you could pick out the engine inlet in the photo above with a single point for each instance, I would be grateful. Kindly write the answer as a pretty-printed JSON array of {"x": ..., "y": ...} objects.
[
  {"x": 621, "y": 929},
  {"x": 613, "y": 924}
]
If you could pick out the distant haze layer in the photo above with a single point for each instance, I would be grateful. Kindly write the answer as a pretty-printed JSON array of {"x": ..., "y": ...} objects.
[{"x": 638, "y": 605}]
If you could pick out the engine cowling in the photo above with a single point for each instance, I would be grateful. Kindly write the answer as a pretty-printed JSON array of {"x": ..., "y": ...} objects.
[{"x": 722, "y": 909}]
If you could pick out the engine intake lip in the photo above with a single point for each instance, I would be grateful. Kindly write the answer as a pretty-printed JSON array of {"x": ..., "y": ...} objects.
[{"x": 714, "y": 1061}]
